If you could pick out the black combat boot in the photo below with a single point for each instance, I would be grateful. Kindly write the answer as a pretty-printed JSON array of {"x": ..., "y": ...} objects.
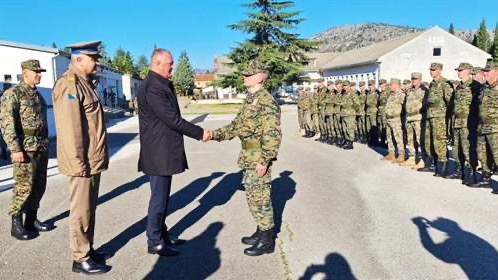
[
  {"x": 486, "y": 181},
  {"x": 441, "y": 169},
  {"x": 471, "y": 177},
  {"x": 18, "y": 231},
  {"x": 253, "y": 239},
  {"x": 33, "y": 224},
  {"x": 458, "y": 174},
  {"x": 427, "y": 165},
  {"x": 265, "y": 244},
  {"x": 348, "y": 145}
]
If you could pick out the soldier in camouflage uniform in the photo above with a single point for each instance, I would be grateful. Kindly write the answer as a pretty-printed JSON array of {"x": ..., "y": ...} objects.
[
  {"x": 360, "y": 112},
  {"x": 413, "y": 108},
  {"x": 440, "y": 93},
  {"x": 24, "y": 127},
  {"x": 348, "y": 114},
  {"x": 339, "y": 141},
  {"x": 473, "y": 123},
  {"x": 257, "y": 124},
  {"x": 381, "y": 113},
  {"x": 306, "y": 106},
  {"x": 407, "y": 84},
  {"x": 322, "y": 96},
  {"x": 394, "y": 109},
  {"x": 463, "y": 100},
  {"x": 329, "y": 113},
  {"x": 315, "y": 111},
  {"x": 488, "y": 125},
  {"x": 300, "y": 112},
  {"x": 372, "y": 99}
]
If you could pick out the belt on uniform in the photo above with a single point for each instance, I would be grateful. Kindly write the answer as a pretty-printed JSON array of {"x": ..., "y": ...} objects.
[
  {"x": 30, "y": 132},
  {"x": 251, "y": 144}
]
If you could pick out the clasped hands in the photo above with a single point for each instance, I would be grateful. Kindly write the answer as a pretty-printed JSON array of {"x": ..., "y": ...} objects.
[{"x": 207, "y": 135}]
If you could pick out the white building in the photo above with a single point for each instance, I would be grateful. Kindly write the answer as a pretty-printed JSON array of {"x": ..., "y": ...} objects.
[
  {"x": 398, "y": 58},
  {"x": 130, "y": 86}
]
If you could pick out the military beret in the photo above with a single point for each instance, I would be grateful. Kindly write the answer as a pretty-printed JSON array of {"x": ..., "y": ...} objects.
[
  {"x": 371, "y": 83},
  {"x": 407, "y": 82},
  {"x": 464, "y": 66},
  {"x": 362, "y": 84},
  {"x": 86, "y": 48},
  {"x": 338, "y": 82},
  {"x": 491, "y": 65},
  {"x": 395, "y": 81},
  {"x": 475, "y": 70},
  {"x": 33, "y": 65},
  {"x": 436, "y": 65},
  {"x": 254, "y": 67},
  {"x": 417, "y": 75},
  {"x": 346, "y": 83},
  {"x": 383, "y": 81}
]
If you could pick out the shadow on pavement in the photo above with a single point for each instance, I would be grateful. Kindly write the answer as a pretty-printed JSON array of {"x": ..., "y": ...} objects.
[
  {"x": 335, "y": 267},
  {"x": 283, "y": 190},
  {"x": 199, "y": 258},
  {"x": 218, "y": 195},
  {"x": 476, "y": 257},
  {"x": 178, "y": 200}
]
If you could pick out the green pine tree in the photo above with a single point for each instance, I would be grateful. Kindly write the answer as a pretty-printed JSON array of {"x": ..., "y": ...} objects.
[
  {"x": 483, "y": 36},
  {"x": 282, "y": 53},
  {"x": 123, "y": 61},
  {"x": 183, "y": 77},
  {"x": 494, "y": 46},
  {"x": 54, "y": 45},
  {"x": 451, "y": 30},
  {"x": 142, "y": 66}
]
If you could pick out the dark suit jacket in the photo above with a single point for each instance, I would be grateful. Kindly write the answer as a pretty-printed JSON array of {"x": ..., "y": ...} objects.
[{"x": 162, "y": 127}]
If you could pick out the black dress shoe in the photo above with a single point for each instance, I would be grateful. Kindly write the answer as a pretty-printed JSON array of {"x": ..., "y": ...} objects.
[
  {"x": 100, "y": 257},
  {"x": 163, "y": 250},
  {"x": 32, "y": 223},
  {"x": 90, "y": 267},
  {"x": 174, "y": 241}
]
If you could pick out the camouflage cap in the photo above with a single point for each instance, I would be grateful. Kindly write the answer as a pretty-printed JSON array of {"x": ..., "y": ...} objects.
[
  {"x": 491, "y": 65},
  {"x": 395, "y": 81},
  {"x": 362, "y": 84},
  {"x": 86, "y": 48},
  {"x": 346, "y": 83},
  {"x": 254, "y": 67},
  {"x": 475, "y": 70},
  {"x": 330, "y": 82},
  {"x": 353, "y": 84},
  {"x": 436, "y": 65},
  {"x": 320, "y": 79},
  {"x": 371, "y": 83},
  {"x": 382, "y": 81},
  {"x": 406, "y": 82},
  {"x": 338, "y": 82},
  {"x": 416, "y": 75},
  {"x": 464, "y": 66},
  {"x": 33, "y": 65}
]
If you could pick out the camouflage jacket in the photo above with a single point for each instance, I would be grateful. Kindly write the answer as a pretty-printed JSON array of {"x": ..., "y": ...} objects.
[
  {"x": 300, "y": 99},
  {"x": 440, "y": 93},
  {"x": 372, "y": 99},
  {"x": 24, "y": 119},
  {"x": 394, "y": 106},
  {"x": 383, "y": 96},
  {"x": 306, "y": 102},
  {"x": 337, "y": 102},
  {"x": 413, "y": 104},
  {"x": 257, "y": 124},
  {"x": 360, "y": 105},
  {"x": 329, "y": 101},
  {"x": 314, "y": 98},
  {"x": 488, "y": 110},
  {"x": 322, "y": 98},
  {"x": 462, "y": 101},
  {"x": 349, "y": 99}
]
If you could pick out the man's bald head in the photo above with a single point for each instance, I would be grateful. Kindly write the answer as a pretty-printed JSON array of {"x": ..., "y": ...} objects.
[{"x": 162, "y": 62}]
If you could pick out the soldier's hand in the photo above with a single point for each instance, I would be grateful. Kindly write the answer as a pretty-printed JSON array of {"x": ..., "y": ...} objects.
[
  {"x": 18, "y": 157},
  {"x": 83, "y": 173},
  {"x": 207, "y": 135},
  {"x": 261, "y": 170}
]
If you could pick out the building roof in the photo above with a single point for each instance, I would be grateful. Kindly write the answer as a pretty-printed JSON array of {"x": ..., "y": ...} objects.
[
  {"x": 368, "y": 54},
  {"x": 319, "y": 59},
  {"x": 204, "y": 77},
  {"x": 28, "y": 47}
]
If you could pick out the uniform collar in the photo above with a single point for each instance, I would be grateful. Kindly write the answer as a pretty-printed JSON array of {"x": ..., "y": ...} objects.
[{"x": 26, "y": 87}]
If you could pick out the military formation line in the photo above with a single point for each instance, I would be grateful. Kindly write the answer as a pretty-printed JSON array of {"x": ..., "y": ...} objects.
[{"x": 421, "y": 124}]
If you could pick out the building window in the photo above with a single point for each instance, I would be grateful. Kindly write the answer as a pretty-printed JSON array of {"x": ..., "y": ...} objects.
[
  {"x": 436, "y": 52},
  {"x": 7, "y": 78}
]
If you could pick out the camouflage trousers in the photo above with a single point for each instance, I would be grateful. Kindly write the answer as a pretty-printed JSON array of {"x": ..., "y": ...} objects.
[
  {"x": 329, "y": 124},
  {"x": 436, "y": 131},
  {"x": 348, "y": 127},
  {"x": 30, "y": 181},
  {"x": 413, "y": 131},
  {"x": 300, "y": 118},
  {"x": 382, "y": 127},
  {"x": 462, "y": 145},
  {"x": 308, "y": 122},
  {"x": 336, "y": 119},
  {"x": 258, "y": 194},
  {"x": 487, "y": 151},
  {"x": 360, "y": 125},
  {"x": 371, "y": 126},
  {"x": 395, "y": 137},
  {"x": 316, "y": 122}
]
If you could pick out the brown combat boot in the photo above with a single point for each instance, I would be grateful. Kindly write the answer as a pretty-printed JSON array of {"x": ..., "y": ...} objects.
[
  {"x": 410, "y": 162},
  {"x": 390, "y": 156},
  {"x": 400, "y": 159}
]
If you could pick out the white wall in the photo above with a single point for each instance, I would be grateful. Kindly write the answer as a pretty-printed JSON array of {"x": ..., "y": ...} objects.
[
  {"x": 355, "y": 73},
  {"x": 130, "y": 86},
  {"x": 417, "y": 55}
]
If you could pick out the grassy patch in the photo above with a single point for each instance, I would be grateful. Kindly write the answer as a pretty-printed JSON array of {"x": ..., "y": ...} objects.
[{"x": 212, "y": 108}]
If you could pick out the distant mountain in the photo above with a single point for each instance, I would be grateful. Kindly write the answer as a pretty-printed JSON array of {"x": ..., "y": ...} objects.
[{"x": 348, "y": 37}]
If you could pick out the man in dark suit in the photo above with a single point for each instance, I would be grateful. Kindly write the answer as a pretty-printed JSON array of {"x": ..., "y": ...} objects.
[{"x": 162, "y": 151}]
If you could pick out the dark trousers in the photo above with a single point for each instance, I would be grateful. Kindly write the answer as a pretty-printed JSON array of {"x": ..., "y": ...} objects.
[{"x": 160, "y": 188}]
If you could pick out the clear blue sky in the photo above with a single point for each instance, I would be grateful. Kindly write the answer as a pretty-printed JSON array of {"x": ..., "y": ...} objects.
[{"x": 200, "y": 27}]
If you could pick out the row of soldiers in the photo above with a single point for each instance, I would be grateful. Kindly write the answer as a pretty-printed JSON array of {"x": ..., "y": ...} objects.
[{"x": 433, "y": 120}]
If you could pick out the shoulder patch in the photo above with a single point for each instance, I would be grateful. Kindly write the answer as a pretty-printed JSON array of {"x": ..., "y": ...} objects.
[{"x": 72, "y": 96}]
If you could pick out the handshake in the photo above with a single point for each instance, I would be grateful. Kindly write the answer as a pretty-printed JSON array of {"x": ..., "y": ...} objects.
[{"x": 207, "y": 135}]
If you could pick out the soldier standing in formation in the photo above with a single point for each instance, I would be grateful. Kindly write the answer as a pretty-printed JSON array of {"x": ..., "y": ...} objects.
[
  {"x": 329, "y": 113},
  {"x": 322, "y": 92},
  {"x": 348, "y": 115},
  {"x": 339, "y": 141},
  {"x": 300, "y": 111},
  {"x": 381, "y": 113},
  {"x": 371, "y": 102},
  {"x": 258, "y": 126},
  {"x": 24, "y": 128},
  {"x": 393, "y": 111},
  {"x": 360, "y": 113}
]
